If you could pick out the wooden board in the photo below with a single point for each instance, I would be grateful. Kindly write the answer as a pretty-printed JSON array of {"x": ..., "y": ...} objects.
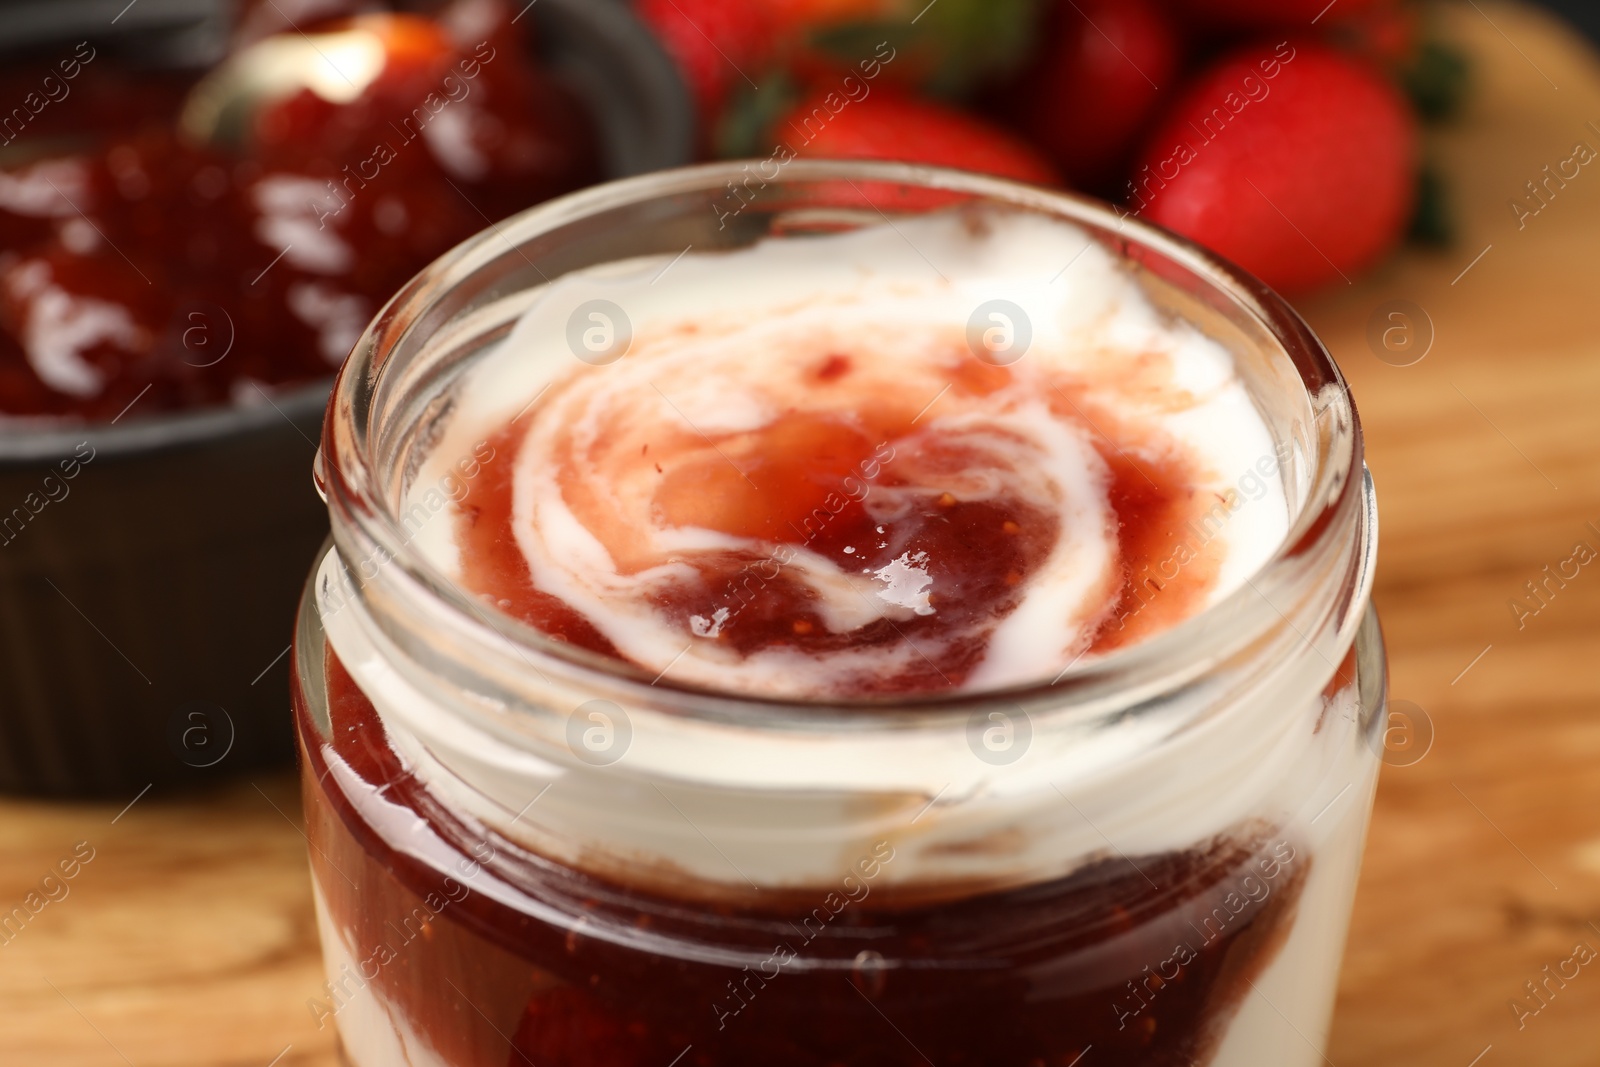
[
  {"x": 1483, "y": 862},
  {"x": 188, "y": 939}
]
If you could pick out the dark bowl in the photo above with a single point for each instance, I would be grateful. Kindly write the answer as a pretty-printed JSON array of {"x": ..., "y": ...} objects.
[{"x": 150, "y": 569}]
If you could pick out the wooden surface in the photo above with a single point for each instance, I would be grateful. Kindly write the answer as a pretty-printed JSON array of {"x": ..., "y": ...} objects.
[{"x": 188, "y": 939}]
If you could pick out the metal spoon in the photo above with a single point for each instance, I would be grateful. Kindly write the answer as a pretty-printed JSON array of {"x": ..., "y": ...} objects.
[{"x": 337, "y": 65}]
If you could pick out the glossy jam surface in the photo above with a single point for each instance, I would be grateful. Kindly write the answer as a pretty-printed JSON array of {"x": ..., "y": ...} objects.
[
  {"x": 479, "y": 953},
  {"x": 966, "y": 560},
  {"x": 137, "y": 267},
  {"x": 815, "y": 471}
]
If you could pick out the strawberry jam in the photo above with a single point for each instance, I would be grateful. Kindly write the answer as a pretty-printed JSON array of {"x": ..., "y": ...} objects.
[
  {"x": 489, "y": 956},
  {"x": 145, "y": 267},
  {"x": 943, "y": 556}
]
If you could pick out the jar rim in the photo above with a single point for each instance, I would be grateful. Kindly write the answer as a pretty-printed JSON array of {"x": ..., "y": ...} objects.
[{"x": 346, "y": 466}]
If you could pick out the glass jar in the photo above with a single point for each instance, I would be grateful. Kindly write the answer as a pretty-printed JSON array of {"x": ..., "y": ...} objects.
[{"x": 525, "y": 853}]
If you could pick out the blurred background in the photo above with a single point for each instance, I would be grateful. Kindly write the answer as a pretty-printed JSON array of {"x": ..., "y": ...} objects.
[{"x": 202, "y": 203}]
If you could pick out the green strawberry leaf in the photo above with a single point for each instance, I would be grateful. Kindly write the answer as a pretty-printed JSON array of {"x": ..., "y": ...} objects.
[
  {"x": 956, "y": 44},
  {"x": 987, "y": 37},
  {"x": 750, "y": 113},
  {"x": 1438, "y": 80},
  {"x": 1433, "y": 222}
]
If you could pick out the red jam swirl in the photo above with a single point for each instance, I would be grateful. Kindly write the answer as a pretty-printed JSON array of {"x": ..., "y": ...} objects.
[{"x": 803, "y": 481}]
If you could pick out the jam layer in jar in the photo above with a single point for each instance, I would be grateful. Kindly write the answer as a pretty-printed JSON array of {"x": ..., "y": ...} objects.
[{"x": 464, "y": 945}]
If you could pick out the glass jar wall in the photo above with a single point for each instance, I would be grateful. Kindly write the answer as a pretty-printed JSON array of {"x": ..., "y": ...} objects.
[{"x": 526, "y": 852}]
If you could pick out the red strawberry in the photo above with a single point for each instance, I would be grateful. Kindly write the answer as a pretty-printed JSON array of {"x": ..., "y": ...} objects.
[
  {"x": 1102, "y": 71},
  {"x": 1289, "y": 14},
  {"x": 717, "y": 44},
  {"x": 894, "y": 126},
  {"x": 1297, "y": 161}
]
